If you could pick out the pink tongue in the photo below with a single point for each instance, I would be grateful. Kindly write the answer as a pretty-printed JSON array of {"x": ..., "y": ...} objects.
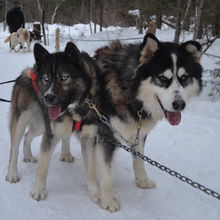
[
  {"x": 54, "y": 112},
  {"x": 174, "y": 118}
]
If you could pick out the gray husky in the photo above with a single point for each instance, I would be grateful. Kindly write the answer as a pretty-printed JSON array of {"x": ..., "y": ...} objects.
[{"x": 48, "y": 99}]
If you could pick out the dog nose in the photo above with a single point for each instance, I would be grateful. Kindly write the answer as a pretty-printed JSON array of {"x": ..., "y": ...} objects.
[
  {"x": 178, "y": 105},
  {"x": 50, "y": 99}
]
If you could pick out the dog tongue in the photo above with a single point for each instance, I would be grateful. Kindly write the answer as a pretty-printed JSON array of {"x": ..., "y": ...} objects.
[
  {"x": 54, "y": 112},
  {"x": 174, "y": 118}
]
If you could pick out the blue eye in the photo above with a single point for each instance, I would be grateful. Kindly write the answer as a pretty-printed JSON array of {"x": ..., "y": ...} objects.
[
  {"x": 45, "y": 77},
  {"x": 64, "y": 77}
]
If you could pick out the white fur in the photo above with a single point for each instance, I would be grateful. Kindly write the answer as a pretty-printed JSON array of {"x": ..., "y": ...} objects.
[
  {"x": 168, "y": 74},
  {"x": 35, "y": 128},
  {"x": 21, "y": 37},
  {"x": 148, "y": 91}
]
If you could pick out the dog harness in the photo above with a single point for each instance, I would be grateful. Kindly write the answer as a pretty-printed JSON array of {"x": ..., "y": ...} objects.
[
  {"x": 33, "y": 79},
  {"x": 77, "y": 125}
]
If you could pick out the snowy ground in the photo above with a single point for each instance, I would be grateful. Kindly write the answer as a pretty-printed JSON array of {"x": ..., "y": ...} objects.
[{"x": 192, "y": 149}]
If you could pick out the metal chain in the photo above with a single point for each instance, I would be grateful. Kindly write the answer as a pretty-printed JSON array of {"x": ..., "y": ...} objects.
[
  {"x": 131, "y": 149},
  {"x": 171, "y": 172},
  {"x": 105, "y": 121}
]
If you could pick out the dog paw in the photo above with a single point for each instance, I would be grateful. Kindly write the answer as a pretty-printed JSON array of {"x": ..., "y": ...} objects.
[
  {"x": 94, "y": 193},
  {"x": 68, "y": 158},
  {"x": 145, "y": 184},
  {"x": 12, "y": 178},
  {"x": 38, "y": 194},
  {"x": 110, "y": 204},
  {"x": 30, "y": 159}
]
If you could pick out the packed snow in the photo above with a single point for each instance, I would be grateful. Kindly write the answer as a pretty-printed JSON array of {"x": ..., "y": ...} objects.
[{"x": 192, "y": 148}]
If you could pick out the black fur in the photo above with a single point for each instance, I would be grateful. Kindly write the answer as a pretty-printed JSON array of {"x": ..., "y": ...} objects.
[
  {"x": 123, "y": 65},
  {"x": 15, "y": 19},
  {"x": 53, "y": 66}
]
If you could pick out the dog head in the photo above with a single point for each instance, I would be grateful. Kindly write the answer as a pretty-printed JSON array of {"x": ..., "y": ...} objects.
[
  {"x": 62, "y": 78},
  {"x": 170, "y": 73}
]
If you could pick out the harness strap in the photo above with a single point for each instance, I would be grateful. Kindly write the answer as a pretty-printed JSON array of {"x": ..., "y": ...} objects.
[
  {"x": 34, "y": 78},
  {"x": 77, "y": 125}
]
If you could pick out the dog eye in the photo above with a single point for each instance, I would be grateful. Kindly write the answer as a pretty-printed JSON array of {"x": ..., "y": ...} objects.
[
  {"x": 45, "y": 77},
  {"x": 162, "y": 79},
  {"x": 184, "y": 78},
  {"x": 64, "y": 77}
]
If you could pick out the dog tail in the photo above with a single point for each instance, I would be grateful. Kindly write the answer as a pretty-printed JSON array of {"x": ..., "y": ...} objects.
[
  {"x": 8, "y": 39},
  {"x": 106, "y": 51}
]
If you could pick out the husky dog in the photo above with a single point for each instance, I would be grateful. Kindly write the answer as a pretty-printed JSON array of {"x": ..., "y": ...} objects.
[
  {"x": 140, "y": 85},
  {"x": 15, "y": 40},
  {"x": 40, "y": 101},
  {"x": 21, "y": 37},
  {"x": 27, "y": 37}
]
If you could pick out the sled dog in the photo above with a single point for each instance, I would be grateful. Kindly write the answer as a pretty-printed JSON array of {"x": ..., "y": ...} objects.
[
  {"x": 140, "y": 84},
  {"x": 40, "y": 102},
  {"x": 19, "y": 39}
]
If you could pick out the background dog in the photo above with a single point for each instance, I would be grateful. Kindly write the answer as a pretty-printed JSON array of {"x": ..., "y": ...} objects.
[
  {"x": 27, "y": 39},
  {"x": 140, "y": 85},
  {"x": 19, "y": 39},
  {"x": 15, "y": 41}
]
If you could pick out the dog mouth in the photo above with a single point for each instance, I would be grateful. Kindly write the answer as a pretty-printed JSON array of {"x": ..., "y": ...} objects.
[
  {"x": 173, "y": 118},
  {"x": 54, "y": 111}
]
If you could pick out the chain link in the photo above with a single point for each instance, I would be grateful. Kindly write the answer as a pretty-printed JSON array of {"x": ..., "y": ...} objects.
[
  {"x": 171, "y": 172},
  {"x": 105, "y": 121},
  {"x": 130, "y": 149}
]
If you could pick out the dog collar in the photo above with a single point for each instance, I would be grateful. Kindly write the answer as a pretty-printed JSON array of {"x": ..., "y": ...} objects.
[
  {"x": 77, "y": 125},
  {"x": 33, "y": 79}
]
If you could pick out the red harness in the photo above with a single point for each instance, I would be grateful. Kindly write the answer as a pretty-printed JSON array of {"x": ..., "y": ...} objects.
[
  {"x": 33, "y": 78},
  {"x": 77, "y": 125}
]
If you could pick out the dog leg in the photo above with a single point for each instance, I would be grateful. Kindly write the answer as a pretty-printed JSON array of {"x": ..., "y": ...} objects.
[
  {"x": 108, "y": 201},
  {"x": 66, "y": 155},
  {"x": 28, "y": 157},
  {"x": 88, "y": 152},
  {"x": 35, "y": 129},
  {"x": 23, "y": 47},
  {"x": 141, "y": 178},
  {"x": 39, "y": 191},
  {"x": 17, "y": 129},
  {"x": 29, "y": 46}
]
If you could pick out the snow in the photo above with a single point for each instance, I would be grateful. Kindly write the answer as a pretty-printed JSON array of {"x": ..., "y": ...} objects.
[{"x": 192, "y": 148}]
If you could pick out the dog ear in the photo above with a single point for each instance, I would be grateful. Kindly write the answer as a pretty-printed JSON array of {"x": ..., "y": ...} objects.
[
  {"x": 149, "y": 46},
  {"x": 40, "y": 53},
  {"x": 72, "y": 52},
  {"x": 194, "y": 48}
]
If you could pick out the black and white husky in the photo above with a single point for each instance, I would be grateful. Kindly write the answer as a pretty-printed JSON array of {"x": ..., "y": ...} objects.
[
  {"x": 41, "y": 99},
  {"x": 153, "y": 79}
]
